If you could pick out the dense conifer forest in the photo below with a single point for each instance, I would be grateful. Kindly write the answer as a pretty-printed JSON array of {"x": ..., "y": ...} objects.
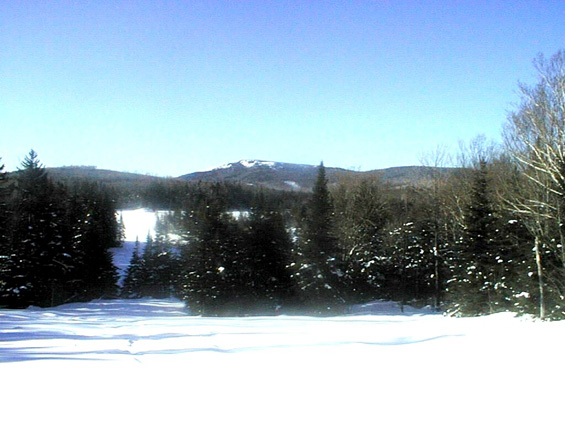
[
  {"x": 54, "y": 239},
  {"x": 487, "y": 238}
]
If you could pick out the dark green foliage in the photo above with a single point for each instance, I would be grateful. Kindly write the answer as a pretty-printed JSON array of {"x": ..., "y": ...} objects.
[
  {"x": 5, "y": 254},
  {"x": 269, "y": 250},
  {"x": 55, "y": 243},
  {"x": 236, "y": 264},
  {"x": 282, "y": 252},
  {"x": 39, "y": 258},
  {"x": 133, "y": 280},
  {"x": 479, "y": 273},
  {"x": 159, "y": 269},
  {"x": 213, "y": 264},
  {"x": 318, "y": 270},
  {"x": 321, "y": 242},
  {"x": 409, "y": 274},
  {"x": 361, "y": 213}
]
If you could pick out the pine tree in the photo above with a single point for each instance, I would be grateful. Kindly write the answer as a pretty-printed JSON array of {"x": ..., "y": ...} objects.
[
  {"x": 475, "y": 291},
  {"x": 319, "y": 274},
  {"x": 131, "y": 288},
  {"x": 268, "y": 251},
  {"x": 38, "y": 255},
  {"x": 203, "y": 277},
  {"x": 58, "y": 241},
  {"x": 158, "y": 271},
  {"x": 98, "y": 232}
]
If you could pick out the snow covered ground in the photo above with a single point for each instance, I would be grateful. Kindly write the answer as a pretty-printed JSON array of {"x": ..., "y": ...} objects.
[{"x": 148, "y": 360}]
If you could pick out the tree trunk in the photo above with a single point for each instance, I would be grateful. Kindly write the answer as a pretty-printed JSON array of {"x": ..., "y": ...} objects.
[
  {"x": 436, "y": 271},
  {"x": 540, "y": 278}
]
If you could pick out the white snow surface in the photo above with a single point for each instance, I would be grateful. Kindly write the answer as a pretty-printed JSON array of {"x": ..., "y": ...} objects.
[
  {"x": 147, "y": 360},
  {"x": 252, "y": 163},
  {"x": 245, "y": 163},
  {"x": 293, "y": 184}
]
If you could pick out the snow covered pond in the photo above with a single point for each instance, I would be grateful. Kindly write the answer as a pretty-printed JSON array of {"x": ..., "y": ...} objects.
[
  {"x": 138, "y": 225},
  {"x": 150, "y": 361}
]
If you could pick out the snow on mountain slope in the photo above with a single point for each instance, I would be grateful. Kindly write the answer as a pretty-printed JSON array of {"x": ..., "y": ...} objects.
[
  {"x": 245, "y": 163},
  {"x": 252, "y": 163},
  {"x": 149, "y": 361}
]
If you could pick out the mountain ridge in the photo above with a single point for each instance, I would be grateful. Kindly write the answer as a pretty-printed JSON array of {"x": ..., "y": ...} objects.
[
  {"x": 300, "y": 177},
  {"x": 260, "y": 173}
]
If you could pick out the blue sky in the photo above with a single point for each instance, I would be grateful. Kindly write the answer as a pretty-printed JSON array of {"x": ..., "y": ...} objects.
[{"x": 171, "y": 87}]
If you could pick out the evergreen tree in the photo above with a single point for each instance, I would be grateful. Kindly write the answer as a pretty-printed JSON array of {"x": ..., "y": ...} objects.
[
  {"x": 362, "y": 211},
  {"x": 131, "y": 288},
  {"x": 40, "y": 258},
  {"x": 158, "y": 272},
  {"x": 322, "y": 242},
  {"x": 319, "y": 274},
  {"x": 204, "y": 280},
  {"x": 476, "y": 289},
  {"x": 57, "y": 242},
  {"x": 269, "y": 250},
  {"x": 98, "y": 231}
]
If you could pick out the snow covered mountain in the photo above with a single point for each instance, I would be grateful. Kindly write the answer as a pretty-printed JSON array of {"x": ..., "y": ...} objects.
[
  {"x": 276, "y": 175},
  {"x": 288, "y": 176}
]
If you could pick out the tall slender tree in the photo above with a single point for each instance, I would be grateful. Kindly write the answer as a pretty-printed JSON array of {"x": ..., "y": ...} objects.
[
  {"x": 318, "y": 270},
  {"x": 4, "y": 231}
]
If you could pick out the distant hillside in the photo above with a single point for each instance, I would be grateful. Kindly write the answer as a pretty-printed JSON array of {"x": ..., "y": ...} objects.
[
  {"x": 93, "y": 174},
  {"x": 287, "y": 176}
]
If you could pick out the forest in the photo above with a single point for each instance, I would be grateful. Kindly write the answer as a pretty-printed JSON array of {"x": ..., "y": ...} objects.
[{"x": 487, "y": 237}]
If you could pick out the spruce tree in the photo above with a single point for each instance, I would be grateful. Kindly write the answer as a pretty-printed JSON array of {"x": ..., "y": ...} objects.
[
  {"x": 474, "y": 292},
  {"x": 319, "y": 274},
  {"x": 99, "y": 232},
  {"x": 268, "y": 251},
  {"x": 131, "y": 287},
  {"x": 40, "y": 259}
]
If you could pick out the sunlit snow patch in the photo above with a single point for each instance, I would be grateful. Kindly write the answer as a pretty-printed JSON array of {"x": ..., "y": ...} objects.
[
  {"x": 293, "y": 184},
  {"x": 138, "y": 223},
  {"x": 252, "y": 163}
]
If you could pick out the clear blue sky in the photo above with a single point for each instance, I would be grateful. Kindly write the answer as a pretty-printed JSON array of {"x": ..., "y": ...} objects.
[{"x": 171, "y": 87}]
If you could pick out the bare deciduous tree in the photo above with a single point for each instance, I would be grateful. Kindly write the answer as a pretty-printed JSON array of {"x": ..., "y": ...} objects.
[{"x": 535, "y": 136}]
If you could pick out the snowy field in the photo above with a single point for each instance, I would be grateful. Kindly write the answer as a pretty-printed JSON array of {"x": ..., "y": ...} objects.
[{"x": 132, "y": 361}]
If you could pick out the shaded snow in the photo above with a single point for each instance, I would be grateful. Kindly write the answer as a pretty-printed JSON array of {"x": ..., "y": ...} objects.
[
  {"x": 122, "y": 257},
  {"x": 149, "y": 361}
]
